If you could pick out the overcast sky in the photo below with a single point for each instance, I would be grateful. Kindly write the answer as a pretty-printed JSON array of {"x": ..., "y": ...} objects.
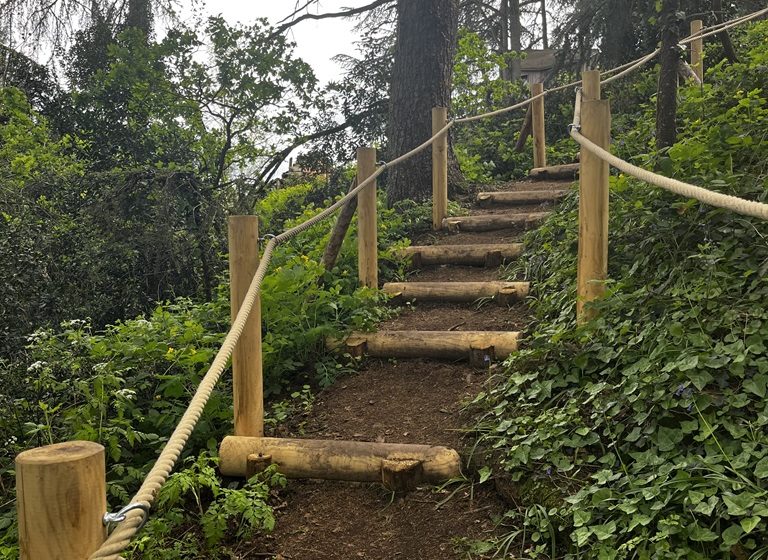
[{"x": 316, "y": 41}]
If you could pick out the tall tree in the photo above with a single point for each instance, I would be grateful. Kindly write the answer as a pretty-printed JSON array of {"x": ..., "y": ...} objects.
[
  {"x": 666, "y": 100},
  {"x": 515, "y": 38},
  {"x": 139, "y": 16},
  {"x": 421, "y": 79}
]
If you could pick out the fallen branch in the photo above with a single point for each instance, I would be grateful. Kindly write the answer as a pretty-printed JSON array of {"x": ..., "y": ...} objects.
[{"x": 339, "y": 232}]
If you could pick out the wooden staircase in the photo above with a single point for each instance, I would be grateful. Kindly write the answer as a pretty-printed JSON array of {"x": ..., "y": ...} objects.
[{"x": 460, "y": 267}]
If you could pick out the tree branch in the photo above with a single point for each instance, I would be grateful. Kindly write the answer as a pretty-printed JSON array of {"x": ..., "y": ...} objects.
[
  {"x": 274, "y": 162},
  {"x": 343, "y": 13}
]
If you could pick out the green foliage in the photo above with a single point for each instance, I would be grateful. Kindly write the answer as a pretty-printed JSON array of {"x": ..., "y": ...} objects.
[
  {"x": 126, "y": 387},
  {"x": 651, "y": 421},
  {"x": 121, "y": 207},
  {"x": 228, "y": 515},
  {"x": 485, "y": 149}
]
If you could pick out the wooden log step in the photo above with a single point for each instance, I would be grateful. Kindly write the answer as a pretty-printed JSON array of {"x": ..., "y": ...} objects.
[
  {"x": 501, "y": 198},
  {"x": 479, "y": 347},
  {"x": 490, "y": 255},
  {"x": 567, "y": 171},
  {"x": 399, "y": 466},
  {"x": 491, "y": 222},
  {"x": 503, "y": 293}
]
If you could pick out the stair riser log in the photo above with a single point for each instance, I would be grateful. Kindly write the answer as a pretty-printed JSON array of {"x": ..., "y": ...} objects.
[
  {"x": 354, "y": 461},
  {"x": 444, "y": 345},
  {"x": 567, "y": 171},
  {"x": 518, "y": 198},
  {"x": 493, "y": 222},
  {"x": 470, "y": 255},
  {"x": 458, "y": 292}
]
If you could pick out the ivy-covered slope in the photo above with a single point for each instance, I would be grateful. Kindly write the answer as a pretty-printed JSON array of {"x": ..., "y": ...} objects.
[{"x": 650, "y": 426}]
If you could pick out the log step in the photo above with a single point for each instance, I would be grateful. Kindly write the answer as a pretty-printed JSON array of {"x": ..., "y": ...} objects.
[
  {"x": 490, "y": 255},
  {"x": 503, "y": 293},
  {"x": 491, "y": 222},
  {"x": 567, "y": 171},
  {"x": 479, "y": 347},
  {"x": 501, "y": 198},
  {"x": 399, "y": 466}
]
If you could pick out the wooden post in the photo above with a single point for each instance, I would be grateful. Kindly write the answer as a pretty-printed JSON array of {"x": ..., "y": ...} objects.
[
  {"x": 367, "y": 243},
  {"x": 539, "y": 141},
  {"x": 439, "y": 168},
  {"x": 593, "y": 201},
  {"x": 61, "y": 499},
  {"x": 247, "y": 382},
  {"x": 697, "y": 49},
  {"x": 590, "y": 85}
]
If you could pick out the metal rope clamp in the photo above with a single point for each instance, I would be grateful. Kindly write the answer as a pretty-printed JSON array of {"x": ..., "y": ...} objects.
[
  {"x": 120, "y": 516},
  {"x": 267, "y": 237}
]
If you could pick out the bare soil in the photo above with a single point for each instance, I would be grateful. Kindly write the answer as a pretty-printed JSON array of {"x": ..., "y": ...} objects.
[{"x": 404, "y": 401}]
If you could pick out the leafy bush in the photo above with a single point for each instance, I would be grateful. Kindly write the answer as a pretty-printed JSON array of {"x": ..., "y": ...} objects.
[
  {"x": 647, "y": 429},
  {"x": 228, "y": 515}
]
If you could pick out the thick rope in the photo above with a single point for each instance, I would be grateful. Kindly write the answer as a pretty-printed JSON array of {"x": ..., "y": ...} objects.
[
  {"x": 723, "y": 27},
  {"x": 121, "y": 537},
  {"x": 728, "y": 202}
]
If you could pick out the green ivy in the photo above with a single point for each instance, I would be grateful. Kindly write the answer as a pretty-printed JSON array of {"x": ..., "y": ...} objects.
[{"x": 649, "y": 426}]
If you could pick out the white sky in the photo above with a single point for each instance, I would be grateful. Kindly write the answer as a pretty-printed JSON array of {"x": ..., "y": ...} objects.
[{"x": 317, "y": 41}]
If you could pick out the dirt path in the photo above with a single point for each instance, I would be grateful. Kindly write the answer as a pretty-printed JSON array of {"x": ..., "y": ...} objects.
[{"x": 405, "y": 401}]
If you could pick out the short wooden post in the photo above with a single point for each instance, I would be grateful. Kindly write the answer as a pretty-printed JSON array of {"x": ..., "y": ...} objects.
[
  {"x": 61, "y": 496},
  {"x": 367, "y": 242},
  {"x": 539, "y": 140},
  {"x": 697, "y": 49},
  {"x": 247, "y": 382},
  {"x": 439, "y": 168},
  {"x": 593, "y": 201}
]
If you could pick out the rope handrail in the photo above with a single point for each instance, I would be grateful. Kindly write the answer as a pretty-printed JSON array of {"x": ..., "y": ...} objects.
[
  {"x": 124, "y": 531},
  {"x": 720, "y": 200}
]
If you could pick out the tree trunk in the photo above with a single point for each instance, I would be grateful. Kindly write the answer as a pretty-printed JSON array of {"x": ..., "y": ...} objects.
[
  {"x": 339, "y": 231},
  {"x": 139, "y": 16},
  {"x": 666, "y": 103},
  {"x": 515, "y": 37},
  {"x": 421, "y": 79},
  {"x": 504, "y": 39},
  {"x": 544, "y": 25},
  {"x": 725, "y": 39},
  {"x": 620, "y": 34}
]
